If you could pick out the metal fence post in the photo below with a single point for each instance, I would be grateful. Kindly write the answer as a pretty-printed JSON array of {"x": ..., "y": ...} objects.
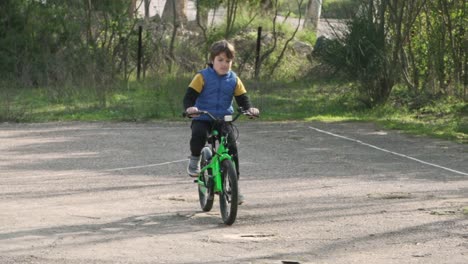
[
  {"x": 257, "y": 55},
  {"x": 140, "y": 51}
]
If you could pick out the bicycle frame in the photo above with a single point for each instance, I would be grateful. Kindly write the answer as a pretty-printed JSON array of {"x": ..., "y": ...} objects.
[{"x": 218, "y": 155}]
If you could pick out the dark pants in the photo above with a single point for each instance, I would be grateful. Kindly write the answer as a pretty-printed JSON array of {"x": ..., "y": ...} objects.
[{"x": 200, "y": 132}]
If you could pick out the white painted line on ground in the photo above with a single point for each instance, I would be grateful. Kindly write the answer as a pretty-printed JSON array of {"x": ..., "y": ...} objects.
[
  {"x": 70, "y": 173},
  {"x": 274, "y": 131},
  {"x": 146, "y": 166},
  {"x": 389, "y": 151}
]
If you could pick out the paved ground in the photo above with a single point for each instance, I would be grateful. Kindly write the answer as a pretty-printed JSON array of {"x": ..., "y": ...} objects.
[{"x": 316, "y": 193}]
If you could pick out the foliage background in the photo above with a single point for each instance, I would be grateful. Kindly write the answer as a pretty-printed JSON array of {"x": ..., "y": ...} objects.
[{"x": 402, "y": 63}]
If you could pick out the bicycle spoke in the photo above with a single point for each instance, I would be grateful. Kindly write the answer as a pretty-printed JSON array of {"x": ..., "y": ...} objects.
[{"x": 227, "y": 197}]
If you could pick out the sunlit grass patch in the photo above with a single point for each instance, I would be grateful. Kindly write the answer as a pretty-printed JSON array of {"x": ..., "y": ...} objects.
[{"x": 312, "y": 100}]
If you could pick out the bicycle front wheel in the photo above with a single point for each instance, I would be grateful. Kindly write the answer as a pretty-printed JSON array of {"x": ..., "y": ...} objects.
[
  {"x": 205, "y": 188},
  {"x": 229, "y": 196}
]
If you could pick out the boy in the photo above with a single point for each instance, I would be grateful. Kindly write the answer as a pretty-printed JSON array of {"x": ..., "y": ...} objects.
[{"x": 212, "y": 89}]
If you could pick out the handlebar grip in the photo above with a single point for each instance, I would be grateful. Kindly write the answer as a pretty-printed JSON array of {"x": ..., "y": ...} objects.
[
  {"x": 247, "y": 113},
  {"x": 185, "y": 114},
  {"x": 252, "y": 116}
]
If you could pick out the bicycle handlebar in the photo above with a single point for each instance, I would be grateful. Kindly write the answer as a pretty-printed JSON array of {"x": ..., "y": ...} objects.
[{"x": 202, "y": 112}]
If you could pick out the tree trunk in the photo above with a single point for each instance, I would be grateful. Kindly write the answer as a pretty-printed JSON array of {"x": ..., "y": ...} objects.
[
  {"x": 174, "y": 33},
  {"x": 266, "y": 5},
  {"x": 280, "y": 57},
  {"x": 180, "y": 15},
  {"x": 132, "y": 8},
  {"x": 231, "y": 14},
  {"x": 312, "y": 16},
  {"x": 202, "y": 22},
  {"x": 202, "y": 15},
  {"x": 147, "y": 7}
]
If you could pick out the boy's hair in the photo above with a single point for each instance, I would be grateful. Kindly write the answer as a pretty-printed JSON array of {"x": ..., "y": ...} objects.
[{"x": 222, "y": 46}]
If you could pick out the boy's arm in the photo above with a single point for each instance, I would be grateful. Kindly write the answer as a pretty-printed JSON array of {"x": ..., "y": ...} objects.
[
  {"x": 190, "y": 97},
  {"x": 240, "y": 93},
  {"x": 243, "y": 101},
  {"x": 194, "y": 90}
]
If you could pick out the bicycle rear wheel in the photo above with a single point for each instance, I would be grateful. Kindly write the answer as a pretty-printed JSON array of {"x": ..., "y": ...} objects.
[
  {"x": 229, "y": 196},
  {"x": 205, "y": 189}
]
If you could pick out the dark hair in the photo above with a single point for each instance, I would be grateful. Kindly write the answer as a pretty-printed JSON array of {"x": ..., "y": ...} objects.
[{"x": 222, "y": 46}]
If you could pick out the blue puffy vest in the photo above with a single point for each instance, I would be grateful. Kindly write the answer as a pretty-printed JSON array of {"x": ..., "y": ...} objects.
[{"x": 217, "y": 94}]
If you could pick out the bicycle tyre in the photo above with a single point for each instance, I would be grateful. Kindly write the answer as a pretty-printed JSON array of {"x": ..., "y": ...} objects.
[
  {"x": 205, "y": 193},
  {"x": 229, "y": 196}
]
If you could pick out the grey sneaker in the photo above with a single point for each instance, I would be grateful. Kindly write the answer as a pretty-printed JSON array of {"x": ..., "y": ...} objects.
[
  {"x": 193, "y": 168},
  {"x": 240, "y": 199}
]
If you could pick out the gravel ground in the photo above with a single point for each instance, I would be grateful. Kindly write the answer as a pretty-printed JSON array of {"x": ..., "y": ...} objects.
[{"x": 316, "y": 193}]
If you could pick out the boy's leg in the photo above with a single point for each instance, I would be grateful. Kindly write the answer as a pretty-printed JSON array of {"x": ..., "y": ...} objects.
[{"x": 200, "y": 131}]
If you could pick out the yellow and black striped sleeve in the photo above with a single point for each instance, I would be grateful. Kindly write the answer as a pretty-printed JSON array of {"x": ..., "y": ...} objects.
[
  {"x": 240, "y": 88},
  {"x": 240, "y": 94},
  {"x": 193, "y": 91},
  {"x": 197, "y": 83}
]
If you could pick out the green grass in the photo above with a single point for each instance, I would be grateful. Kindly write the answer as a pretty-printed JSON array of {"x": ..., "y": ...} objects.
[
  {"x": 137, "y": 101},
  {"x": 334, "y": 102},
  {"x": 156, "y": 99},
  {"x": 465, "y": 210}
]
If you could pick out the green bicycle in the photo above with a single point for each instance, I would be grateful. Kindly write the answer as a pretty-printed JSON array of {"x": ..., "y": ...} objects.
[{"x": 218, "y": 174}]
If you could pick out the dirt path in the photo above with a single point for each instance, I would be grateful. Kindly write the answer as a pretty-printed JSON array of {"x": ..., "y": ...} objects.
[{"x": 316, "y": 193}]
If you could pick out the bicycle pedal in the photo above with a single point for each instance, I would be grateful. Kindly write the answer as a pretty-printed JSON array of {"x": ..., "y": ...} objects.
[{"x": 195, "y": 181}]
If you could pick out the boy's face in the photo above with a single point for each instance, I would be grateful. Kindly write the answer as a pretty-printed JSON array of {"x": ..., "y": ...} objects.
[{"x": 222, "y": 64}]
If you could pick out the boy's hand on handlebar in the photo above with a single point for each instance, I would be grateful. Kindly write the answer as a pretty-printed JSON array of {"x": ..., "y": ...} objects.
[
  {"x": 254, "y": 112},
  {"x": 192, "y": 111}
]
